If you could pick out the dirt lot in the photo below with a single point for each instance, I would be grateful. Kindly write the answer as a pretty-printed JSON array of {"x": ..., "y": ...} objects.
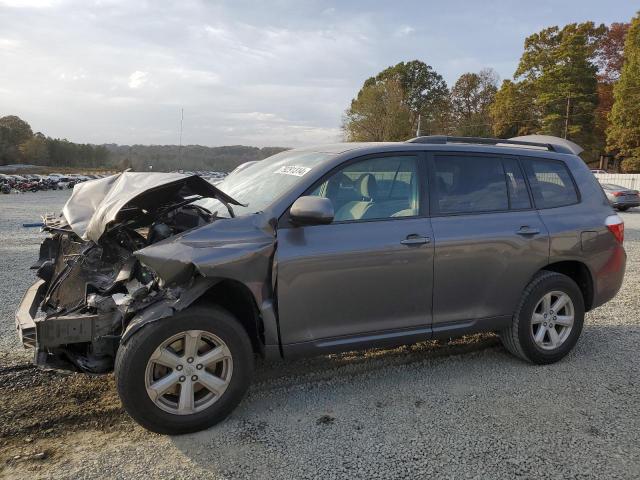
[{"x": 462, "y": 410}]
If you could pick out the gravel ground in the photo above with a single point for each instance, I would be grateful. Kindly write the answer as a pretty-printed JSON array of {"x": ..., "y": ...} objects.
[{"x": 463, "y": 410}]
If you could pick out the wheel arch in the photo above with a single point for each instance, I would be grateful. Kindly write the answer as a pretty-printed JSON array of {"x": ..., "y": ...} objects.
[
  {"x": 237, "y": 299},
  {"x": 579, "y": 272},
  {"x": 231, "y": 295}
]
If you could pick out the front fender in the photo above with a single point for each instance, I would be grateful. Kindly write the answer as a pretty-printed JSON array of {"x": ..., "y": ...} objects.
[{"x": 167, "y": 307}]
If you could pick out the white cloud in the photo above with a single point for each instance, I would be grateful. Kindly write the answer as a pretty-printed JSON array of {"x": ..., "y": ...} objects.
[
  {"x": 9, "y": 44},
  {"x": 72, "y": 76},
  {"x": 29, "y": 3},
  {"x": 137, "y": 79},
  {"x": 260, "y": 116},
  {"x": 404, "y": 31}
]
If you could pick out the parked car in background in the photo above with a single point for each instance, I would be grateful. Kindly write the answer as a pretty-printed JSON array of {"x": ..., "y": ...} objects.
[
  {"x": 599, "y": 171},
  {"x": 176, "y": 284},
  {"x": 621, "y": 198}
]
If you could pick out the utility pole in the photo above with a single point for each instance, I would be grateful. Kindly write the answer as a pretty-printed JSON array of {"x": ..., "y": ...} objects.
[
  {"x": 566, "y": 117},
  {"x": 180, "y": 144},
  {"x": 418, "y": 129}
]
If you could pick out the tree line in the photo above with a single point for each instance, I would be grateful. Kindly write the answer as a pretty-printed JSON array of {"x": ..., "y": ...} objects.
[
  {"x": 188, "y": 157},
  {"x": 18, "y": 144},
  {"x": 580, "y": 81}
]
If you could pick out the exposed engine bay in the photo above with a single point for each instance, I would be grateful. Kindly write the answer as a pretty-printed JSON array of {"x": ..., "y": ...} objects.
[{"x": 91, "y": 284}]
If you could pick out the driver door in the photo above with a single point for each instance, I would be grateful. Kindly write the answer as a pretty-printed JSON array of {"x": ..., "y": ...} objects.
[{"x": 366, "y": 278}]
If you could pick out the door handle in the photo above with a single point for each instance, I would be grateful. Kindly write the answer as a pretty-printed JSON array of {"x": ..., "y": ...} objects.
[
  {"x": 415, "y": 240},
  {"x": 526, "y": 230}
]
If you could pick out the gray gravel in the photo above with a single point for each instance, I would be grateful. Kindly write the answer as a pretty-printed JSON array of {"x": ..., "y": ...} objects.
[
  {"x": 18, "y": 251},
  {"x": 404, "y": 413}
]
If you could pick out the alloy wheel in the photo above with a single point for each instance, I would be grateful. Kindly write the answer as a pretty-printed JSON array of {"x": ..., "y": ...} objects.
[
  {"x": 552, "y": 320},
  {"x": 188, "y": 372}
]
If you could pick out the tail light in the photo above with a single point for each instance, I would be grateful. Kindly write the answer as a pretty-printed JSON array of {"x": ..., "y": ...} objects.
[
  {"x": 616, "y": 226},
  {"x": 617, "y": 194}
]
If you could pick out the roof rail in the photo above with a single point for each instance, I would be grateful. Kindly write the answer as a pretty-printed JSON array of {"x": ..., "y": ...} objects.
[{"x": 444, "y": 139}]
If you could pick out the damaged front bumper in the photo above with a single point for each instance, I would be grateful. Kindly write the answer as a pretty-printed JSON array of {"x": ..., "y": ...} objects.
[
  {"x": 91, "y": 287},
  {"x": 130, "y": 250},
  {"x": 26, "y": 313},
  {"x": 51, "y": 336},
  {"x": 55, "y": 337}
]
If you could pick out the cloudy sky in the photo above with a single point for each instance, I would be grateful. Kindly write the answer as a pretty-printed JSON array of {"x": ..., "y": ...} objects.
[{"x": 272, "y": 72}]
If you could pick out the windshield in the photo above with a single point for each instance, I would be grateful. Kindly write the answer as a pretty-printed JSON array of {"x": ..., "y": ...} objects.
[{"x": 259, "y": 184}]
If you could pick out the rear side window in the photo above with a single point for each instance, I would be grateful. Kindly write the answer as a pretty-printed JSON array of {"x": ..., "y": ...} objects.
[
  {"x": 551, "y": 183},
  {"x": 468, "y": 184},
  {"x": 518, "y": 193}
]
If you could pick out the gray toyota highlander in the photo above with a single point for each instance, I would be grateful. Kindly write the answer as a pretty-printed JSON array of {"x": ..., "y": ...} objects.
[{"x": 177, "y": 284}]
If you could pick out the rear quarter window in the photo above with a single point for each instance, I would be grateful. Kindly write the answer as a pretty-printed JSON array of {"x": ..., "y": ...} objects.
[{"x": 551, "y": 183}]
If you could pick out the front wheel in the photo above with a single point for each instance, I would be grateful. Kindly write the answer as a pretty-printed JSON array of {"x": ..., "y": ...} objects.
[
  {"x": 548, "y": 320},
  {"x": 185, "y": 373}
]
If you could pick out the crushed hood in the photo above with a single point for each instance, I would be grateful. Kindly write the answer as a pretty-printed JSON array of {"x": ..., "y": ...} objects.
[
  {"x": 95, "y": 204},
  {"x": 237, "y": 248}
]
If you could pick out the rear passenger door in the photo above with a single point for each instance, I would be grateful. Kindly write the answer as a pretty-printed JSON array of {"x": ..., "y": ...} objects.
[{"x": 489, "y": 240}]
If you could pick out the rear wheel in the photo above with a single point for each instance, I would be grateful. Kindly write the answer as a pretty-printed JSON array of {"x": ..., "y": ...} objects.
[
  {"x": 186, "y": 372},
  {"x": 548, "y": 321}
]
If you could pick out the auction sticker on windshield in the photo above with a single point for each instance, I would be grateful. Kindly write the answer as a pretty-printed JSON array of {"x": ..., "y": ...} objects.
[{"x": 292, "y": 170}]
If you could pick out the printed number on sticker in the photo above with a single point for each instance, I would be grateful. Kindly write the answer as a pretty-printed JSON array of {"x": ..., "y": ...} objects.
[{"x": 292, "y": 170}]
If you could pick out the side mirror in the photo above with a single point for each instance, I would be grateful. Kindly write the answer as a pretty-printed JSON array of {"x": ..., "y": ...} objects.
[{"x": 311, "y": 211}]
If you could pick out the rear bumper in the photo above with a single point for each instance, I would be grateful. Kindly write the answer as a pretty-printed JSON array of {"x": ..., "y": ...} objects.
[
  {"x": 26, "y": 313},
  {"x": 609, "y": 276},
  {"x": 626, "y": 201}
]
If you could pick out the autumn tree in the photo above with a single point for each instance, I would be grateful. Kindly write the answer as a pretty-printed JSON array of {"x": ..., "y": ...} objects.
[
  {"x": 379, "y": 113},
  {"x": 13, "y": 132},
  {"x": 559, "y": 65},
  {"x": 19, "y": 131},
  {"x": 610, "y": 53},
  {"x": 471, "y": 97},
  {"x": 36, "y": 150},
  {"x": 610, "y": 57},
  {"x": 388, "y": 105},
  {"x": 513, "y": 111},
  {"x": 8, "y": 152},
  {"x": 623, "y": 134}
]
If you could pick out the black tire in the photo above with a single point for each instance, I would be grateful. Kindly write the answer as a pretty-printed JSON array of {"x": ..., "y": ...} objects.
[
  {"x": 518, "y": 338},
  {"x": 623, "y": 209},
  {"x": 132, "y": 357}
]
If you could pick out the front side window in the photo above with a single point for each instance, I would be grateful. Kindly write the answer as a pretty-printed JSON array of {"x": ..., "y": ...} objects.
[
  {"x": 551, "y": 183},
  {"x": 376, "y": 188},
  {"x": 469, "y": 184}
]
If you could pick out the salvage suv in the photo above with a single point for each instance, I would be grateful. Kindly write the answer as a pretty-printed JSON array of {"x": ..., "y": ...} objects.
[{"x": 177, "y": 284}]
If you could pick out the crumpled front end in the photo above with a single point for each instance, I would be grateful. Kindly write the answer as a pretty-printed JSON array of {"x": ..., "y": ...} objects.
[{"x": 93, "y": 285}]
